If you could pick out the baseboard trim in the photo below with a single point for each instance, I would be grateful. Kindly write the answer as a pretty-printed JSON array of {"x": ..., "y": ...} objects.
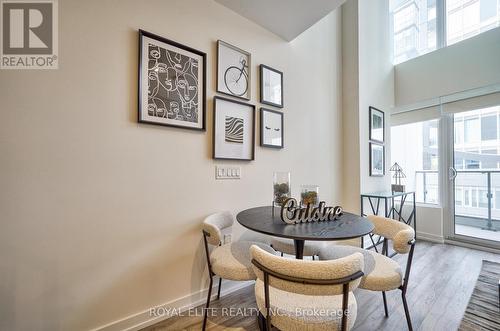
[
  {"x": 143, "y": 319},
  {"x": 472, "y": 246},
  {"x": 430, "y": 237}
]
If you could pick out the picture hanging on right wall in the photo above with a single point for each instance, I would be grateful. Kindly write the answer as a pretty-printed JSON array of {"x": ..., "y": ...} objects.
[
  {"x": 377, "y": 125},
  {"x": 377, "y": 160}
]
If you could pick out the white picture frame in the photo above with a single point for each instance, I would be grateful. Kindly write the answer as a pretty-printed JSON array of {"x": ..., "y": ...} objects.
[
  {"x": 234, "y": 67},
  {"x": 234, "y": 130}
]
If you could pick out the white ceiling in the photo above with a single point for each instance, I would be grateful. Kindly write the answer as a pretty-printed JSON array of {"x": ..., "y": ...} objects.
[{"x": 286, "y": 18}]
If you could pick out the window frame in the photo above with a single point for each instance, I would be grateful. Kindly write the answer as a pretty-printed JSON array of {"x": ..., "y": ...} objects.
[
  {"x": 441, "y": 29},
  {"x": 422, "y": 200}
]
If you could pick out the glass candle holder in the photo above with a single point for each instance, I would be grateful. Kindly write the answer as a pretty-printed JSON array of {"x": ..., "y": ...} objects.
[
  {"x": 309, "y": 194},
  {"x": 281, "y": 188}
]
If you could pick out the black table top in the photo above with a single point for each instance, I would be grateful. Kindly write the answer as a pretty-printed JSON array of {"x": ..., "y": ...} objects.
[{"x": 348, "y": 226}]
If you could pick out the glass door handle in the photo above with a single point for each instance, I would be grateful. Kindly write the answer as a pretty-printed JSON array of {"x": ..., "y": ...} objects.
[{"x": 452, "y": 173}]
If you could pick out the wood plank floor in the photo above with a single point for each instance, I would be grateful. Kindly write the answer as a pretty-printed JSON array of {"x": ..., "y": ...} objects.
[{"x": 441, "y": 282}]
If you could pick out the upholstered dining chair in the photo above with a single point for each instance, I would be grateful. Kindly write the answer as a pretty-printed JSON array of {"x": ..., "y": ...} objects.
[
  {"x": 288, "y": 291},
  {"x": 229, "y": 261},
  {"x": 283, "y": 245},
  {"x": 381, "y": 272}
]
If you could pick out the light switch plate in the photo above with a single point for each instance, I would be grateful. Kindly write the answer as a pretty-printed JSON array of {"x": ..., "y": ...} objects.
[{"x": 227, "y": 172}]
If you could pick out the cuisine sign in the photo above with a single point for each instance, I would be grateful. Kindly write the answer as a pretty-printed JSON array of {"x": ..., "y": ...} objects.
[{"x": 292, "y": 213}]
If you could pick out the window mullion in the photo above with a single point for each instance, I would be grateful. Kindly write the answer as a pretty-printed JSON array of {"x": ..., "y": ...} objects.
[{"x": 440, "y": 24}]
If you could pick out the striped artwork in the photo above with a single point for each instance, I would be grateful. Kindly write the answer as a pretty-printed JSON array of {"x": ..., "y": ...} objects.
[{"x": 234, "y": 130}]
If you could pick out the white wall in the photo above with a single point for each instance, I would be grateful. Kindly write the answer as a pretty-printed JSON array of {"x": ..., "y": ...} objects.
[
  {"x": 367, "y": 80},
  {"x": 350, "y": 106},
  {"x": 376, "y": 84},
  {"x": 469, "y": 64},
  {"x": 100, "y": 215}
]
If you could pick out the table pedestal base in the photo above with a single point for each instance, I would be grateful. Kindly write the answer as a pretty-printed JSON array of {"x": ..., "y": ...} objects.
[{"x": 299, "y": 248}]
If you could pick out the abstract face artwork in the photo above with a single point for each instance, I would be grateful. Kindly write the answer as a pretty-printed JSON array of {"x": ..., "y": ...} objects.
[{"x": 172, "y": 83}]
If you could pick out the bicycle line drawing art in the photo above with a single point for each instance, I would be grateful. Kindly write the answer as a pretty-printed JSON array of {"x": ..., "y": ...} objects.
[
  {"x": 233, "y": 70},
  {"x": 236, "y": 78},
  {"x": 172, "y": 85}
]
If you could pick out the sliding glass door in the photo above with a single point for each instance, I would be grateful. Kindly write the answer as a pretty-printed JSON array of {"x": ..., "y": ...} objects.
[{"x": 475, "y": 176}]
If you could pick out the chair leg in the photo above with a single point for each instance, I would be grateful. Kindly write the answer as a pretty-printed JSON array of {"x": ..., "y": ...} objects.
[
  {"x": 262, "y": 322},
  {"x": 205, "y": 311},
  {"x": 313, "y": 257},
  {"x": 385, "y": 304},
  {"x": 281, "y": 254},
  {"x": 407, "y": 312},
  {"x": 218, "y": 290}
]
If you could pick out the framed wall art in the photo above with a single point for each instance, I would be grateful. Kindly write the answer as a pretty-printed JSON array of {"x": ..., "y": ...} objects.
[
  {"x": 233, "y": 70},
  {"x": 234, "y": 130},
  {"x": 377, "y": 125},
  {"x": 377, "y": 160},
  {"x": 172, "y": 83},
  {"x": 271, "y": 128},
  {"x": 271, "y": 86}
]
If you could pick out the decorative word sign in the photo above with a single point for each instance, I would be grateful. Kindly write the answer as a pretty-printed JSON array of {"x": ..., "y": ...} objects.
[{"x": 292, "y": 213}]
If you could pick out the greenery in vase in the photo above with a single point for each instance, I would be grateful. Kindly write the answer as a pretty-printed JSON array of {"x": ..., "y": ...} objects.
[
  {"x": 281, "y": 193},
  {"x": 309, "y": 197}
]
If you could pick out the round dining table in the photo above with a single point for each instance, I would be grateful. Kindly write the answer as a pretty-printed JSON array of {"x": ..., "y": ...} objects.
[{"x": 263, "y": 220}]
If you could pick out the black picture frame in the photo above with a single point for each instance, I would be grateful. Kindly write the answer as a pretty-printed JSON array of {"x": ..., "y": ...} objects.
[
  {"x": 371, "y": 163},
  {"x": 141, "y": 102},
  {"x": 262, "y": 84},
  {"x": 374, "y": 111},
  {"x": 252, "y": 107},
  {"x": 262, "y": 144},
  {"x": 223, "y": 88}
]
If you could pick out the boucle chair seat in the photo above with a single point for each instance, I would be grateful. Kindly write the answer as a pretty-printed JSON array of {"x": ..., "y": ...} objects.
[
  {"x": 233, "y": 261},
  {"x": 230, "y": 261},
  {"x": 381, "y": 272},
  {"x": 294, "y": 312},
  {"x": 286, "y": 246}
]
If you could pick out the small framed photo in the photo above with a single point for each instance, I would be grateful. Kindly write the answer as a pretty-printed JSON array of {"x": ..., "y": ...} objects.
[
  {"x": 271, "y": 86},
  {"x": 271, "y": 128},
  {"x": 377, "y": 125},
  {"x": 377, "y": 160},
  {"x": 234, "y": 130},
  {"x": 233, "y": 70},
  {"x": 172, "y": 83}
]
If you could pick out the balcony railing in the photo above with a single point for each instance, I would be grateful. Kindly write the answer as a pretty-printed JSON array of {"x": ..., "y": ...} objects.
[{"x": 477, "y": 195}]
